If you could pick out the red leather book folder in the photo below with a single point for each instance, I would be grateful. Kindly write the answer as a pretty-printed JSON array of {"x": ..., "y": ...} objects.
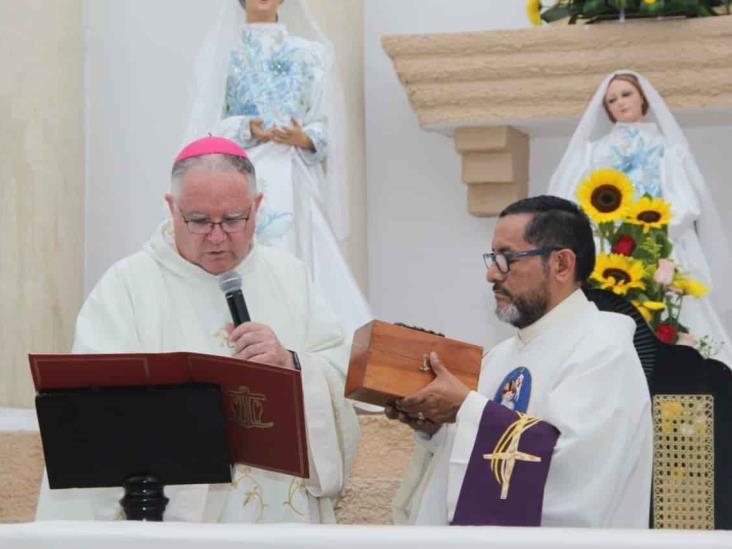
[{"x": 263, "y": 404}]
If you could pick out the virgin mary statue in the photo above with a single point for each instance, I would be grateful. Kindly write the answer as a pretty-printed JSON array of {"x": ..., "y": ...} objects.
[
  {"x": 265, "y": 77},
  {"x": 628, "y": 127}
]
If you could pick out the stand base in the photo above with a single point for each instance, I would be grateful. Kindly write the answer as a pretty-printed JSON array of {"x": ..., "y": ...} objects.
[{"x": 144, "y": 498}]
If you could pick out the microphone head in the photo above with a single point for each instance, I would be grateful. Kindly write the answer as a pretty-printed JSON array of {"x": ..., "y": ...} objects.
[{"x": 230, "y": 281}]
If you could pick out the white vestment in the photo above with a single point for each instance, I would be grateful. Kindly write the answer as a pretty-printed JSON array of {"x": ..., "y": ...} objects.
[
  {"x": 587, "y": 381},
  {"x": 156, "y": 301}
]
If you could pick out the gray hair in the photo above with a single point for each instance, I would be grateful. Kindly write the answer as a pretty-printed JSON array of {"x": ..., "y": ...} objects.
[{"x": 214, "y": 163}]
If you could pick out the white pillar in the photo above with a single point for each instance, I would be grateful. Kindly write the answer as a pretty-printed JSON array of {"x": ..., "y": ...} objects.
[{"x": 41, "y": 185}]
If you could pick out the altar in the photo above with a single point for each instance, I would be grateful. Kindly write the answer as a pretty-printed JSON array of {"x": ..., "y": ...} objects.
[
  {"x": 121, "y": 535},
  {"x": 487, "y": 99}
]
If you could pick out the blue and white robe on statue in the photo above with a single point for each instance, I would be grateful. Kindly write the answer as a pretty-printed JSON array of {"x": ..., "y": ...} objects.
[{"x": 275, "y": 77}]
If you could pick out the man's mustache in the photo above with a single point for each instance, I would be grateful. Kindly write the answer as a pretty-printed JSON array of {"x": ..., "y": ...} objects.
[{"x": 498, "y": 289}]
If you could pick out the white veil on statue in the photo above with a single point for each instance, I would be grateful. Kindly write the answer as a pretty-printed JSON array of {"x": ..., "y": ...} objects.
[
  {"x": 595, "y": 123},
  {"x": 209, "y": 89}
]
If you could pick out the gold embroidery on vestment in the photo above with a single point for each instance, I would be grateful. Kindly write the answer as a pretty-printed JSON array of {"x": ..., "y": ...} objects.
[
  {"x": 506, "y": 453},
  {"x": 255, "y": 493},
  {"x": 296, "y": 486}
]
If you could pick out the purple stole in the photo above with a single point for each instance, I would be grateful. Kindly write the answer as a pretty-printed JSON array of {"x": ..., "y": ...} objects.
[{"x": 504, "y": 482}]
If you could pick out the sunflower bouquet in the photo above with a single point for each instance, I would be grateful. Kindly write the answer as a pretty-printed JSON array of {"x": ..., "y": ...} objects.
[
  {"x": 634, "y": 255},
  {"x": 594, "y": 10}
]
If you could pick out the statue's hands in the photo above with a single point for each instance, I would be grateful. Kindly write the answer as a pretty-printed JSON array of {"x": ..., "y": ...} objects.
[
  {"x": 258, "y": 132},
  {"x": 258, "y": 343},
  {"x": 439, "y": 401},
  {"x": 295, "y": 136}
]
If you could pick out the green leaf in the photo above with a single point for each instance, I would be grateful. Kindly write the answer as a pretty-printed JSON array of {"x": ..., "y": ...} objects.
[
  {"x": 575, "y": 7},
  {"x": 555, "y": 13},
  {"x": 687, "y": 7},
  {"x": 636, "y": 231},
  {"x": 644, "y": 255},
  {"x": 665, "y": 247},
  {"x": 591, "y": 8},
  {"x": 620, "y": 4}
]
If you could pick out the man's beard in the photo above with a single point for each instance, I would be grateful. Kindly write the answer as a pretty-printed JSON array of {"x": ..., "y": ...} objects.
[{"x": 522, "y": 311}]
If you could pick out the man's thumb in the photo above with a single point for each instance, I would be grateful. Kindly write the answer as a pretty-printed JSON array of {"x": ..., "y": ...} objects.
[{"x": 437, "y": 366}]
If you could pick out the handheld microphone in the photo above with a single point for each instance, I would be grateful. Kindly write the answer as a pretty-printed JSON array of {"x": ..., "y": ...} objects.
[{"x": 230, "y": 284}]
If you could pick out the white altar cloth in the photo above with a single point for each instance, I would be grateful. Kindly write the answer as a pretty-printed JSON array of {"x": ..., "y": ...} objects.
[
  {"x": 137, "y": 535},
  {"x": 18, "y": 419}
]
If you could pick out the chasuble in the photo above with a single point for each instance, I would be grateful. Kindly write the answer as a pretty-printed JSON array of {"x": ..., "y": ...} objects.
[{"x": 156, "y": 301}]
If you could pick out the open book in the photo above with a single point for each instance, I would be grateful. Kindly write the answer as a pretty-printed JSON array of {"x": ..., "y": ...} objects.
[{"x": 263, "y": 404}]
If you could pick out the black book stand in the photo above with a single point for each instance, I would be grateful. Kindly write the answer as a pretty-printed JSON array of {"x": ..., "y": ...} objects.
[{"x": 141, "y": 438}]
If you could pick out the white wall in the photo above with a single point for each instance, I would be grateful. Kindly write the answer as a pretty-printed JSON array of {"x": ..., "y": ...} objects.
[
  {"x": 138, "y": 67},
  {"x": 138, "y": 58},
  {"x": 425, "y": 262}
]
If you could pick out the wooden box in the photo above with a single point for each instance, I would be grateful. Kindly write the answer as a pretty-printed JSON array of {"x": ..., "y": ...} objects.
[{"x": 389, "y": 362}]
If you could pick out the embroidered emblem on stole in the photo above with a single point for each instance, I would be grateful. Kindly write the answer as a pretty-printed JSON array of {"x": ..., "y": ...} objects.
[
  {"x": 514, "y": 392},
  {"x": 508, "y": 467}
]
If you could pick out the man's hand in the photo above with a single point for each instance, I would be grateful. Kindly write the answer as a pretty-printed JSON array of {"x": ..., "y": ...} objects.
[
  {"x": 258, "y": 343},
  {"x": 258, "y": 132},
  {"x": 416, "y": 423},
  {"x": 295, "y": 136},
  {"x": 440, "y": 401}
]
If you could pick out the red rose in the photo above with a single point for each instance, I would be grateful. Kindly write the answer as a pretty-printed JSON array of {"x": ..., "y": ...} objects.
[
  {"x": 666, "y": 333},
  {"x": 624, "y": 245}
]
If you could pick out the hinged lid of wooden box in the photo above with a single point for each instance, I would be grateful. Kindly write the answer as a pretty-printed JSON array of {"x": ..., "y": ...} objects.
[{"x": 389, "y": 362}]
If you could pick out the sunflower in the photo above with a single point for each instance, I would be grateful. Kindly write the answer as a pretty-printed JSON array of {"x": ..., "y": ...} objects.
[
  {"x": 533, "y": 10},
  {"x": 691, "y": 287},
  {"x": 654, "y": 305},
  {"x": 618, "y": 273},
  {"x": 645, "y": 313},
  {"x": 650, "y": 213},
  {"x": 605, "y": 195}
]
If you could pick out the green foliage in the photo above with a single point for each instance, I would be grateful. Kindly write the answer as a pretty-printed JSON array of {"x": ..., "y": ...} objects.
[
  {"x": 593, "y": 10},
  {"x": 555, "y": 13},
  {"x": 621, "y": 4},
  {"x": 649, "y": 250}
]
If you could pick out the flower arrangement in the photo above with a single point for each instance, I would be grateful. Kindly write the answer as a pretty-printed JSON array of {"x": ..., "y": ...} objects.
[
  {"x": 634, "y": 256},
  {"x": 594, "y": 10}
]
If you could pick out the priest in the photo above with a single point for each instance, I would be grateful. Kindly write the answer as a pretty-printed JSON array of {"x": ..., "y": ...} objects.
[
  {"x": 558, "y": 432},
  {"x": 166, "y": 298}
]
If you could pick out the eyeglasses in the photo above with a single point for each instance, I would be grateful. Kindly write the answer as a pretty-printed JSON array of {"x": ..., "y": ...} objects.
[
  {"x": 229, "y": 225},
  {"x": 503, "y": 260}
]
